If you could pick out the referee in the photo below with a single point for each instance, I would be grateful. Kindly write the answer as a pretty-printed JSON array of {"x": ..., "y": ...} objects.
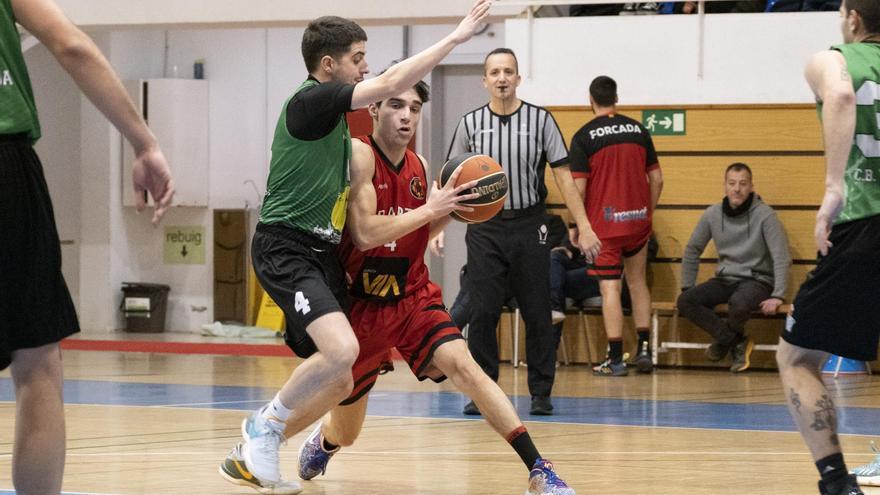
[{"x": 512, "y": 247}]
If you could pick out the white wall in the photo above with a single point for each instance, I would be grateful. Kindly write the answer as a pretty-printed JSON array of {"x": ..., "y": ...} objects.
[
  {"x": 156, "y": 14},
  {"x": 98, "y": 186},
  {"x": 472, "y": 52},
  {"x": 461, "y": 91},
  {"x": 749, "y": 58},
  {"x": 235, "y": 66}
]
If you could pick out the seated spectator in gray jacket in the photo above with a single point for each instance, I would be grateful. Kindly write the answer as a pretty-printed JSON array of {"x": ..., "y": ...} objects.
[{"x": 752, "y": 270}]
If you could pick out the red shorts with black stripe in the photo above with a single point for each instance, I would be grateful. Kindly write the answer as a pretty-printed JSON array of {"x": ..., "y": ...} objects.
[
  {"x": 416, "y": 325},
  {"x": 609, "y": 263}
]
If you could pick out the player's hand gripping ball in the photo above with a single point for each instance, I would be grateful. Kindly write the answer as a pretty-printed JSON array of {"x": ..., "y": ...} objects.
[{"x": 492, "y": 185}]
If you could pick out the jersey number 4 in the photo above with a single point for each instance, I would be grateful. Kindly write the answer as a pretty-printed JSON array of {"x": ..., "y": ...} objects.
[{"x": 301, "y": 304}]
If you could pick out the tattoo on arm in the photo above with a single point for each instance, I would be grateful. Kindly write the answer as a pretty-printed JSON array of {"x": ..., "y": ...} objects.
[
  {"x": 796, "y": 400},
  {"x": 844, "y": 74}
]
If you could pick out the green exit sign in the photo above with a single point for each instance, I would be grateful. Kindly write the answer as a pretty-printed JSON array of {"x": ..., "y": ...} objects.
[{"x": 665, "y": 122}]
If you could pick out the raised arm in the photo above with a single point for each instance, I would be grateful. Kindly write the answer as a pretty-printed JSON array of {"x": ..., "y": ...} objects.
[
  {"x": 91, "y": 71},
  {"x": 830, "y": 81},
  {"x": 407, "y": 73}
]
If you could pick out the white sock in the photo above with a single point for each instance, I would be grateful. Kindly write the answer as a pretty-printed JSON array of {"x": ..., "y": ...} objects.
[{"x": 276, "y": 410}]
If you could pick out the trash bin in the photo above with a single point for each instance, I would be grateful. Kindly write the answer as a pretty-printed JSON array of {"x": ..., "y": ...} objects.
[{"x": 144, "y": 306}]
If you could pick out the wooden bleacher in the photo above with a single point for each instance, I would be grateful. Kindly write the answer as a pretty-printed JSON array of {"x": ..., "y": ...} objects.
[
  {"x": 783, "y": 146},
  {"x": 671, "y": 339}
]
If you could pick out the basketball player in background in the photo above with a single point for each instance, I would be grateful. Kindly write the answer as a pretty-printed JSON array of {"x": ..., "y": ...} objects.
[
  {"x": 836, "y": 310},
  {"x": 512, "y": 248},
  {"x": 617, "y": 173},
  {"x": 36, "y": 311},
  {"x": 394, "y": 304}
]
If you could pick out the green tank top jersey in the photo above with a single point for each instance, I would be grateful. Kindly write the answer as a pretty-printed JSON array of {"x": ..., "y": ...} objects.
[
  {"x": 309, "y": 180},
  {"x": 18, "y": 111},
  {"x": 862, "y": 176}
]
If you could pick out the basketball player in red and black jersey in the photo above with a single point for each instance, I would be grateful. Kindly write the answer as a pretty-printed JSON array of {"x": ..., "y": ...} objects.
[
  {"x": 615, "y": 168},
  {"x": 394, "y": 304}
]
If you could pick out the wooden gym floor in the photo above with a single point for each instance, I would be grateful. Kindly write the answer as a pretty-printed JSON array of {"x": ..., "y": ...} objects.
[{"x": 161, "y": 423}]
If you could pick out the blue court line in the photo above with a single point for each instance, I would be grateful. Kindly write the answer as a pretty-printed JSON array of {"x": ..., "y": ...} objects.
[{"x": 448, "y": 405}]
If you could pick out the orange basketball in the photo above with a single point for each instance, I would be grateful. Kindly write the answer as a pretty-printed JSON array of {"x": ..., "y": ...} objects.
[{"x": 492, "y": 185}]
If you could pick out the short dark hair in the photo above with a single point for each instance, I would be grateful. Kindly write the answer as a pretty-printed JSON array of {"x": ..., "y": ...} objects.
[
  {"x": 737, "y": 167},
  {"x": 502, "y": 51},
  {"x": 603, "y": 89},
  {"x": 329, "y": 35},
  {"x": 423, "y": 90},
  {"x": 421, "y": 87},
  {"x": 869, "y": 10}
]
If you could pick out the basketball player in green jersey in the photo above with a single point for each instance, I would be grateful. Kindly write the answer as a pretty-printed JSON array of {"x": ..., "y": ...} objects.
[
  {"x": 36, "y": 311},
  {"x": 836, "y": 309},
  {"x": 294, "y": 248}
]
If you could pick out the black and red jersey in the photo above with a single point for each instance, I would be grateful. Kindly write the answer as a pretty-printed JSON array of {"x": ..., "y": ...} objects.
[
  {"x": 390, "y": 272},
  {"x": 615, "y": 153}
]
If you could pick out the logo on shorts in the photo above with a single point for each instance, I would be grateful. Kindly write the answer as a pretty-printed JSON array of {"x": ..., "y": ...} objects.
[
  {"x": 417, "y": 188},
  {"x": 611, "y": 215},
  {"x": 790, "y": 321},
  {"x": 542, "y": 234}
]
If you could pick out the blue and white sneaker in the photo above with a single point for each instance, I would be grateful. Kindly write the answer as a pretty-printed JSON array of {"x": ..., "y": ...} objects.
[
  {"x": 610, "y": 368},
  {"x": 263, "y": 437},
  {"x": 869, "y": 474},
  {"x": 544, "y": 481},
  {"x": 313, "y": 458},
  {"x": 234, "y": 471}
]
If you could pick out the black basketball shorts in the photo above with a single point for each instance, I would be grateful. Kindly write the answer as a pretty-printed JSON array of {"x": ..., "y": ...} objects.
[
  {"x": 303, "y": 275},
  {"x": 837, "y": 309},
  {"x": 35, "y": 305}
]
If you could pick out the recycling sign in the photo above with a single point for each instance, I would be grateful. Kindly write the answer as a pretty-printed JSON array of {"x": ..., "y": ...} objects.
[
  {"x": 184, "y": 245},
  {"x": 665, "y": 122}
]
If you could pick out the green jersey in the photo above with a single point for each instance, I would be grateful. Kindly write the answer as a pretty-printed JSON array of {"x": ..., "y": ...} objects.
[
  {"x": 18, "y": 111},
  {"x": 862, "y": 176},
  {"x": 309, "y": 178}
]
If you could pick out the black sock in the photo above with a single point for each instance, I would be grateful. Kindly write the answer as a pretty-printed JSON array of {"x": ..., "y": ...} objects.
[
  {"x": 832, "y": 468},
  {"x": 522, "y": 443},
  {"x": 615, "y": 350},
  {"x": 329, "y": 447},
  {"x": 644, "y": 336}
]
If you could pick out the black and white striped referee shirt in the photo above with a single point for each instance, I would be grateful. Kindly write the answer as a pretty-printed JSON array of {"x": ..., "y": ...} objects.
[{"x": 522, "y": 142}]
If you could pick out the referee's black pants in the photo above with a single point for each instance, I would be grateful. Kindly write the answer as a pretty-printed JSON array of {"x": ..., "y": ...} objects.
[{"x": 512, "y": 251}]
